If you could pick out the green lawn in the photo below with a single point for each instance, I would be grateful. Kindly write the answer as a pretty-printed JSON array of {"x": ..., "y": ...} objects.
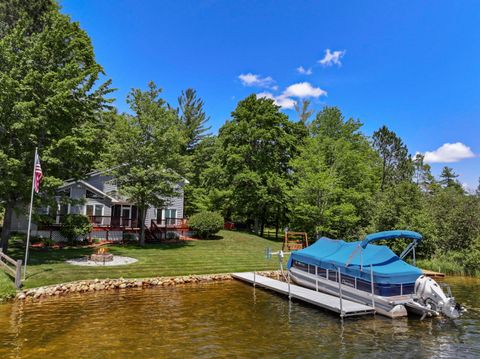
[
  {"x": 7, "y": 288},
  {"x": 234, "y": 251}
]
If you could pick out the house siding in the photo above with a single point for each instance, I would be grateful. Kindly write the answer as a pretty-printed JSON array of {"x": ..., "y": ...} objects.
[{"x": 105, "y": 184}]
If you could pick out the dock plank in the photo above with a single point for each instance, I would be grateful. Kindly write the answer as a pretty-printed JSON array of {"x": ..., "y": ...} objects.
[
  {"x": 433, "y": 274},
  {"x": 319, "y": 299}
]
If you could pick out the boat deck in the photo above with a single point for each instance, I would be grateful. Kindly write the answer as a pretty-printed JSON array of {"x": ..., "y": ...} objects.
[{"x": 343, "y": 307}]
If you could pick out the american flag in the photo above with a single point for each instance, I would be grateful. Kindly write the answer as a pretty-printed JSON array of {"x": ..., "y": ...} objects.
[{"x": 38, "y": 173}]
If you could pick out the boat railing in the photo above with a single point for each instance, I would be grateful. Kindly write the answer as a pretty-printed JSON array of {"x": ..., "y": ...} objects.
[{"x": 369, "y": 286}]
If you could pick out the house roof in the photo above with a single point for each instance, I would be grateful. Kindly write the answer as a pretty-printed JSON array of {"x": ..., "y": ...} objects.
[
  {"x": 90, "y": 187},
  {"x": 99, "y": 172}
]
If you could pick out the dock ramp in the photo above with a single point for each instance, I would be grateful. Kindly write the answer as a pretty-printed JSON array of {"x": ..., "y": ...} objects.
[{"x": 342, "y": 306}]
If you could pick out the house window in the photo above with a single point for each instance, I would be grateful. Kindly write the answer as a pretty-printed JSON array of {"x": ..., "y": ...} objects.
[
  {"x": 170, "y": 216},
  {"x": 91, "y": 194},
  {"x": 65, "y": 193},
  {"x": 63, "y": 210},
  {"x": 95, "y": 212}
]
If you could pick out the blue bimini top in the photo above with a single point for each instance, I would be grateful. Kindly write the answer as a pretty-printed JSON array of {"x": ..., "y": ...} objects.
[{"x": 387, "y": 267}]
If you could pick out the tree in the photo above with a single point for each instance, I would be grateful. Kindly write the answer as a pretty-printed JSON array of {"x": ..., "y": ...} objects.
[
  {"x": 145, "y": 152},
  {"x": 303, "y": 111},
  {"x": 448, "y": 178},
  {"x": 396, "y": 163},
  {"x": 334, "y": 178},
  {"x": 50, "y": 98},
  {"x": 193, "y": 118},
  {"x": 423, "y": 175},
  {"x": 197, "y": 147},
  {"x": 196, "y": 192},
  {"x": 249, "y": 174}
]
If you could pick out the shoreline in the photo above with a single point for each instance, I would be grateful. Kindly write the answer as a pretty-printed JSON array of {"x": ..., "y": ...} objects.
[{"x": 95, "y": 285}]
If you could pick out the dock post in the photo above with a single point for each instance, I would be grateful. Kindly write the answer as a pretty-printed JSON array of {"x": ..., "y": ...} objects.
[
  {"x": 316, "y": 278},
  {"x": 254, "y": 278},
  {"x": 289, "y": 292},
  {"x": 340, "y": 291},
  {"x": 373, "y": 288}
]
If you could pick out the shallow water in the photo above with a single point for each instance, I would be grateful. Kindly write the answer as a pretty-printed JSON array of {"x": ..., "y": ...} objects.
[{"x": 228, "y": 319}]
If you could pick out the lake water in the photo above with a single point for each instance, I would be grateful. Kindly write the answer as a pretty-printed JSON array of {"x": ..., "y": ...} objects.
[{"x": 227, "y": 319}]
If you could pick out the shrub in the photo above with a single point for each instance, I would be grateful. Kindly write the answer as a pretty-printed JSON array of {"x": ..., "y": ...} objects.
[
  {"x": 206, "y": 224},
  {"x": 74, "y": 226}
]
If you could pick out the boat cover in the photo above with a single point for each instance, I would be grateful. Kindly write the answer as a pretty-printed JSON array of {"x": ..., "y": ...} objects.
[{"x": 331, "y": 254}]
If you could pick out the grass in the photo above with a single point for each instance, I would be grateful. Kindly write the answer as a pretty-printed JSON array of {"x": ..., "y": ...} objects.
[
  {"x": 7, "y": 288},
  {"x": 232, "y": 252},
  {"x": 444, "y": 265}
]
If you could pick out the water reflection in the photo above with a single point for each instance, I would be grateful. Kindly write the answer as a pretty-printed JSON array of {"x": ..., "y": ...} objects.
[{"x": 227, "y": 319}]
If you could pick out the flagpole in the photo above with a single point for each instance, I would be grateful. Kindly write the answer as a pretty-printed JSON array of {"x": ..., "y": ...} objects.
[{"x": 30, "y": 216}]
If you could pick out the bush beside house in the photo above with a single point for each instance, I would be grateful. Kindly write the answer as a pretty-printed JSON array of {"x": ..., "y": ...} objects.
[
  {"x": 206, "y": 224},
  {"x": 74, "y": 226}
]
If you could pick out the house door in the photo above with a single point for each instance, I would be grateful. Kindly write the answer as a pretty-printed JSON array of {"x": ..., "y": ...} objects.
[
  {"x": 126, "y": 217},
  {"x": 116, "y": 215}
]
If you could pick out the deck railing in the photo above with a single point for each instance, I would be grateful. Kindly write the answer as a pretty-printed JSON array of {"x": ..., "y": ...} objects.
[
  {"x": 116, "y": 222},
  {"x": 170, "y": 222},
  {"x": 109, "y": 221}
]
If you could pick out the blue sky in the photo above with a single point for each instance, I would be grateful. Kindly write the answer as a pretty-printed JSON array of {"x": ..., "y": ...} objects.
[{"x": 413, "y": 66}]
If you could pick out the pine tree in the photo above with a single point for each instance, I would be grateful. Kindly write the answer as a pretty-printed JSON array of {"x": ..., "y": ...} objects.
[
  {"x": 303, "y": 111},
  {"x": 448, "y": 178},
  {"x": 396, "y": 162},
  {"x": 193, "y": 118}
]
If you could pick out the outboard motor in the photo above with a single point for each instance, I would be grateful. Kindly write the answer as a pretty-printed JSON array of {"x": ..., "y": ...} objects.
[{"x": 431, "y": 295}]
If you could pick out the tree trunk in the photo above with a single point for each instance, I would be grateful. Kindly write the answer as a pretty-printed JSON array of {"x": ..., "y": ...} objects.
[
  {"x": 262, "y": 229},
  {"x": 383, "y": 174},
  {"x": 7, "y": 225},
  {"x": 276, "y": 229},
  {"x": 143, "y": 214},
  {"x": 255, "y": 226}
]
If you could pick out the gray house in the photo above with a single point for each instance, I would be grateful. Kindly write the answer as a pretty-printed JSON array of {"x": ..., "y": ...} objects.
[{"x": 112, "y": 216}]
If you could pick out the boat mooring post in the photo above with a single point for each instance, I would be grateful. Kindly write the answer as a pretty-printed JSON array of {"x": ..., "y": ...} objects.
[
  {"x": 289, "y": 292},
  {"x": 316, "y": 278},
  {"x": 254, "y": 278},
  {"x": 373, "y": 288},
  {"x": 340, "y": 291}
]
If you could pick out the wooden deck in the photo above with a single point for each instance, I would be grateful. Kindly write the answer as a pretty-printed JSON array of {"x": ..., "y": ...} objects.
[
  {"x": 433, "y": 274},
  {"x": 344, "y": 307}
]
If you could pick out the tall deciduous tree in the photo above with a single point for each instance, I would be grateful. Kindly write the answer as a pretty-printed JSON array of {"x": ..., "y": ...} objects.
[
  {"x": 250, "y": 172},
  {"x": 49, "y": 98},
  {"x": 396, "y": 163},
  {"x": 145, "y": 152},
  {"x": 335, "y": 177}
]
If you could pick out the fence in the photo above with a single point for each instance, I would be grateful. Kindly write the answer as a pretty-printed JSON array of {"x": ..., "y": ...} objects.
[{"x": 14, "y": 267}]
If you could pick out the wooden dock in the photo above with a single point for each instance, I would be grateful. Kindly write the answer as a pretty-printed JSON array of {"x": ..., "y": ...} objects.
[
  {"x": 343, "y": 307},
  {"x": 433, "y": 274}
]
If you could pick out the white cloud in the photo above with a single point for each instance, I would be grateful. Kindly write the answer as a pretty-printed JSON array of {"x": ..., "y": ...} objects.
[
  {"x": 302, "y": 70},
  {"x": 449, "y": 152},
  {"x": 283, "y": 101},
  {"x": 332, "y": 58},
  {"x": 304, "y": 89},
  {"x": 255, "y": 80}
]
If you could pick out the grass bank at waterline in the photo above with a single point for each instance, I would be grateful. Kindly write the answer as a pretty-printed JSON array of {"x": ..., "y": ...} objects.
[
  {"x": 231, "y": 252},
  {"x": 450, "y": 266},
  {"x": 7, "y": 288}
]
